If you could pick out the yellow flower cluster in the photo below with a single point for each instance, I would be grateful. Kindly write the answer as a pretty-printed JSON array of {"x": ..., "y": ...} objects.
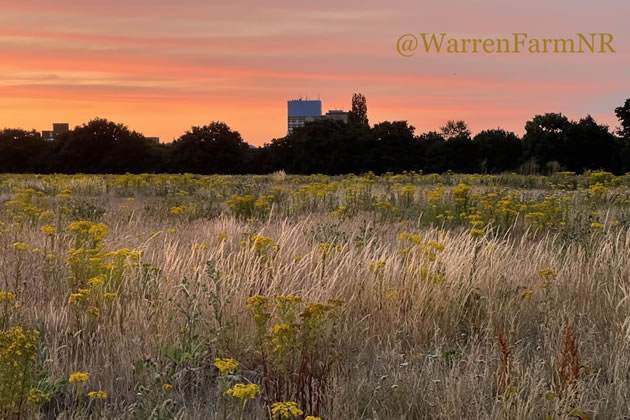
[
  {"x": 21, "y": 246},
  {"x": 377, "y": 266},
  {"x": 254, "y": 302},
  {"x": 48, "y": 230},
  {"x": 242, "y": 206},
  {"x": 17, "y": 344},
  {"x": 392, "y": 295},
  {"x": 178, "y": 210},
  {"x": 316, "y": 311},
  {"x": 462, "y": 195},
  {"x": 548, "y": 276},
  {"x": 262, "y": 244},
  {"x": 97, "y": 395},
  {"x": 18, "y": 369},
  {"x": 324, "y": 249},
  {"x": 225, "y": 365},
  {"x": 65, "y": 194},
  {"x": 288, "y": 299},
  {"x": 37, "y": 396},
  {"x": 78, "y": 377},
  {"x": 597, "y": 226},
  {"x": 285, "y": 410},
  {"x": 80, "y": 297},
  {"x": 264, "y": 202},
  {"x": 89, "y": 230},
  {"x": 282, "y": 336},
  {"x": 96, "y": 281},
  {"x": 476, "y": 233},
  {"x": 7, "y": 296},
  {"x": 244, "y": 392}
]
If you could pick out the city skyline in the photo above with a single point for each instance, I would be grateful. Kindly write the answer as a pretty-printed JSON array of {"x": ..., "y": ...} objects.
[{"x": 160, "y": 67}]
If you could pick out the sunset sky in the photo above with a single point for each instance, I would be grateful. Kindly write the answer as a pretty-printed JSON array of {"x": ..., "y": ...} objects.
[{"x": 161, "y": 67}]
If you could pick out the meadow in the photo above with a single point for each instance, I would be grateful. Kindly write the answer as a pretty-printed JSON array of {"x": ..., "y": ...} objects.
[{"x": 404, "y": 296}]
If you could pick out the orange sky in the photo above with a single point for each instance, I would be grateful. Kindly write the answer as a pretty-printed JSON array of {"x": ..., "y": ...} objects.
[{"x": 162, "y": 66}]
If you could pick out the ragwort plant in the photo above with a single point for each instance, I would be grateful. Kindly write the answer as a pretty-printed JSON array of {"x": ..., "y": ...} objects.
[
  {"x": 24, "y": 384},
  {"x": 297, "y": 348}
]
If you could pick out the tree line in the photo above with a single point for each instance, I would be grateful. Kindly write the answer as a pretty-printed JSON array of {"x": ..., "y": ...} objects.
[{"x": 551, "y": 142}]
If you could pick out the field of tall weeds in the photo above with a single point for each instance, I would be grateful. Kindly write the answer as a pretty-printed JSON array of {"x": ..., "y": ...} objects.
[{"x": 404, "y": 296}]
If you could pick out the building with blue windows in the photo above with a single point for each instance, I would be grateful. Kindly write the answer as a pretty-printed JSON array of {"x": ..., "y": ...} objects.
[{"x": 301, "y": 111}]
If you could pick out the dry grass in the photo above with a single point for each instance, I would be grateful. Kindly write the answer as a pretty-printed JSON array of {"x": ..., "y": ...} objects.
[{"x": 490, "y": 341}]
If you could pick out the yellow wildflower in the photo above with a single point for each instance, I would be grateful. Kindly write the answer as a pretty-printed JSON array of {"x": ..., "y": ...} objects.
[
  {"x": 476, "y": 233},
  {"x": 285, "y": 410},
  {"x": 225, "y": 365},
  {"x": 392, "y": 295},
  {"x": 244, "y": 392},
  {"x": 7, "y": 296},
  {"x": 97, "y": 395},
  {"x": 37, "y": 396},
  {"x": 377, "y": 265},
  {"x": 548, "y": 274},
  {"x": 258, "y": 301},
  {"x": 77, "y": 298},
  {"x": 96, "y": 281},
  {"x": 288, "y": 299},
  {"x": 324, "y": 248},
  {"x": 78, "y": 377},
  {"x": 21, "y": 246},
  {"x": 48, "y": 230}
]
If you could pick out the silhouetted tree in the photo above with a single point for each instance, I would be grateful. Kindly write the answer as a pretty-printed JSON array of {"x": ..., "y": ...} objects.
[
  {"x": 574, "y": 146},
  {"x": 623, "y": 114},
  {"x": 590, "y": 146},
  {"x": 546, "y": 138},
  {"x": 101, "y": 146},
  {"x": 433, "y": 148},
  {"x": 213, "y": 148},
  {"x": 20, "y": 151},
  {"x": 458, "y": 152},
  {"x": 499, "y": 150},
  {"x": 454, "y": 129},
  {"x": 396, "y": 148},
  {"x": 358, "y": 114},
  {"x": 328, "y": 147},
  {"x": 461, "y": 155}
]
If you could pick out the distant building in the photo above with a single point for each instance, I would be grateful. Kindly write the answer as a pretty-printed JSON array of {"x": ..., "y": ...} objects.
[
  {"x": 337, "y": 115},
  {"x": 154, "y": 140},
  {"x": 58, "y": 128},
  {"x": 301, "y": 111}
]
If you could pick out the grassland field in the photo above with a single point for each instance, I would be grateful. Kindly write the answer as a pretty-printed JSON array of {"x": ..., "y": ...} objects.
[{"x": 404, "y": 296}]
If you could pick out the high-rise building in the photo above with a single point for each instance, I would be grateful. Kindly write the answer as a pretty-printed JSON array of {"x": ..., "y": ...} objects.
[
  {"x": 301, "y": 111},
  {"x": 58, "y": 128},
  {"x": 337, "y": 114}
]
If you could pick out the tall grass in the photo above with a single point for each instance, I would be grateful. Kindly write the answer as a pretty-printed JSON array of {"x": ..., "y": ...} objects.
[{"x": 520, "y": 322}]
